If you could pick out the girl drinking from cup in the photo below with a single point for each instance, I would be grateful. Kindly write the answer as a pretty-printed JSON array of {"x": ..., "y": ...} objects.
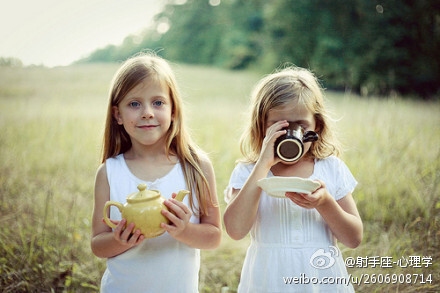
[
  {"x": 145, "y": 141},
  {"x": 294, "y": 236}
]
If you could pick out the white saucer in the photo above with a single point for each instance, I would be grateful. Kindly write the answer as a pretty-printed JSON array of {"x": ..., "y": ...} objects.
[{"x": 278, "y": 186}]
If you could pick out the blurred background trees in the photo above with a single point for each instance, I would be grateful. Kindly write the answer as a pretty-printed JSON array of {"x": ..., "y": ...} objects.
[{"x": 369, "y": 47}]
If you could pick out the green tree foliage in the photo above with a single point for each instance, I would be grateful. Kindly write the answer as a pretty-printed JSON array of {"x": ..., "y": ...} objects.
[
  {"x": 371, "y": 47},
  {"x": 226, "y": 35},
  {"x": 130, "y": 46},
  {"x": 10, "y": 62},
  {"x": 200, "y": 43}
]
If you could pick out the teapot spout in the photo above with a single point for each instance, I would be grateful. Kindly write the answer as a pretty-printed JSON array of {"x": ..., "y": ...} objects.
[{"x": 181, "y": 195}]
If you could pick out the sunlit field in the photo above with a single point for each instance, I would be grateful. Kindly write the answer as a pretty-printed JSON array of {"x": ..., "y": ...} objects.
[{"x": 51, "y": 123}]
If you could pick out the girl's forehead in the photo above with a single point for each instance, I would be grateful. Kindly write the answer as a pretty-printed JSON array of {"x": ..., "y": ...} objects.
[
  {"x": 290, "y": 109},
  {"x": 153, "y": 81},
  {"x": 148, "y": 86}
]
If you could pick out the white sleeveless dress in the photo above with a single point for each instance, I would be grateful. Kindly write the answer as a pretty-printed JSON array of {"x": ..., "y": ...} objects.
[
  {"x": 289, "y": 242},
  {"x": 160, "y": 264}
]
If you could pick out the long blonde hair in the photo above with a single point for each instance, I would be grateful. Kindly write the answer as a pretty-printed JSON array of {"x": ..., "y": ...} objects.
[
  {"x": 116, "y": 140},
  {"x": 278, "y": 89}
]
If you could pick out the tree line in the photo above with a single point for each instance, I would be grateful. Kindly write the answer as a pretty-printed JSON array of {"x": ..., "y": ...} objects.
[{"x": 365, "y": 46}]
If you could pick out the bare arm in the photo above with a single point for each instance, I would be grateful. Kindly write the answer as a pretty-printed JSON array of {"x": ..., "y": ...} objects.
[
  {"x": 207, "y": 234},
  {"x": 241, "y": 212},
  {"x": 105, "y": 243},
  {"x": 341, "y": 216},
  {"x": 343, "y": 219}
]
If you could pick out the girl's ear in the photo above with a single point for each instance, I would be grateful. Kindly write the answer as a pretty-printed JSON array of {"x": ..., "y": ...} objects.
[
  {"x": 318, "y": 123},
  {"x": 318, "y": 128},
  {"x": 117, "y": 115}
]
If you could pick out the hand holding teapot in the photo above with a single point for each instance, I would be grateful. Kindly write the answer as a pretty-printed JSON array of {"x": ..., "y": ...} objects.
[{"x": 144, "y": 208}]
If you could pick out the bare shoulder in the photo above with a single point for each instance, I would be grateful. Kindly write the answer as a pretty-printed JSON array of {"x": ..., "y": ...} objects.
[
  {"x": 101, "y": 182},
  {"x": 101, "y": 173},
  {"x": 206, "y": 165}
]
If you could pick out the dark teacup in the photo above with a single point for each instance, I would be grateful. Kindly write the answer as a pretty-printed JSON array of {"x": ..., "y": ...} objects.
[{"x": 290, "y": 146}]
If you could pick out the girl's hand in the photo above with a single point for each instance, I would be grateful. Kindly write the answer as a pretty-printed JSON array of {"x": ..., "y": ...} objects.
[
  {"x": 179, "y": 216},
  {"x": 267, "y": 155},
  {"x": 310, "y": 201},
  {"x": 126, "y": 237}
]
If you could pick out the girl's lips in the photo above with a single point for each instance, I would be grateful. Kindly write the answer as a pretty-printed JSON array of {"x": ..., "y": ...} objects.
[{"x": 147, "y": 126}]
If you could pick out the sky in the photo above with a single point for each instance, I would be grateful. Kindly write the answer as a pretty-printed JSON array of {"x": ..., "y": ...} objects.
[{"x": 58, "y": 32}]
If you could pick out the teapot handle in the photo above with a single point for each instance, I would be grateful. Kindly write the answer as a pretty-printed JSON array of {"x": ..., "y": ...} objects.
[
  {"x": 107, "y": 205},
  {"x": 181, "y": 195}
]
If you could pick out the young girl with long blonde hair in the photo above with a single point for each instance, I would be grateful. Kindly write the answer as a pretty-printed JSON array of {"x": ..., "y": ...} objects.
[
  {"x": 145, "y": 141},
  {"x": 294, "y": 236}
]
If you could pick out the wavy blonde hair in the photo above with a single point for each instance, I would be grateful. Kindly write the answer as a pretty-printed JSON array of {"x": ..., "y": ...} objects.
[
  {"x": 278, "y": 89},
  {"x": 116, "y": 140}
]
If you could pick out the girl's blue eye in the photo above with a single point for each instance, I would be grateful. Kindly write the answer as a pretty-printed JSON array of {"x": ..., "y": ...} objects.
[
  {"x": 134, "y": 104},
  {"x": 157, "y": 103}
]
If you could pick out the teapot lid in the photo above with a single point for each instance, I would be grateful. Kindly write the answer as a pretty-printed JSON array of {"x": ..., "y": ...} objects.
[{"x": 143, "y": 194}]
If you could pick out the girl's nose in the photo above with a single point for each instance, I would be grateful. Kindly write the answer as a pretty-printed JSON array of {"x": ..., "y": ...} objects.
[{"x": 148, "y": 113}]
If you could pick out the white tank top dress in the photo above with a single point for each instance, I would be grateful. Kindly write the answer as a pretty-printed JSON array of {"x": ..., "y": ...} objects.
[
  {"x": 288, "y": 241},
  {"x": 157, "y": 265}
]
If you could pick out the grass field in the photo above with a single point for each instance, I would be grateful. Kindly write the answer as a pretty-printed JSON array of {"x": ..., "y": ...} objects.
[{"x": 51, "y": 123}]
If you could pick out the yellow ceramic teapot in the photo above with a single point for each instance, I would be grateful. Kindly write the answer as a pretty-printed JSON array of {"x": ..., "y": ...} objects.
[{"x": 143, "y": 209}]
